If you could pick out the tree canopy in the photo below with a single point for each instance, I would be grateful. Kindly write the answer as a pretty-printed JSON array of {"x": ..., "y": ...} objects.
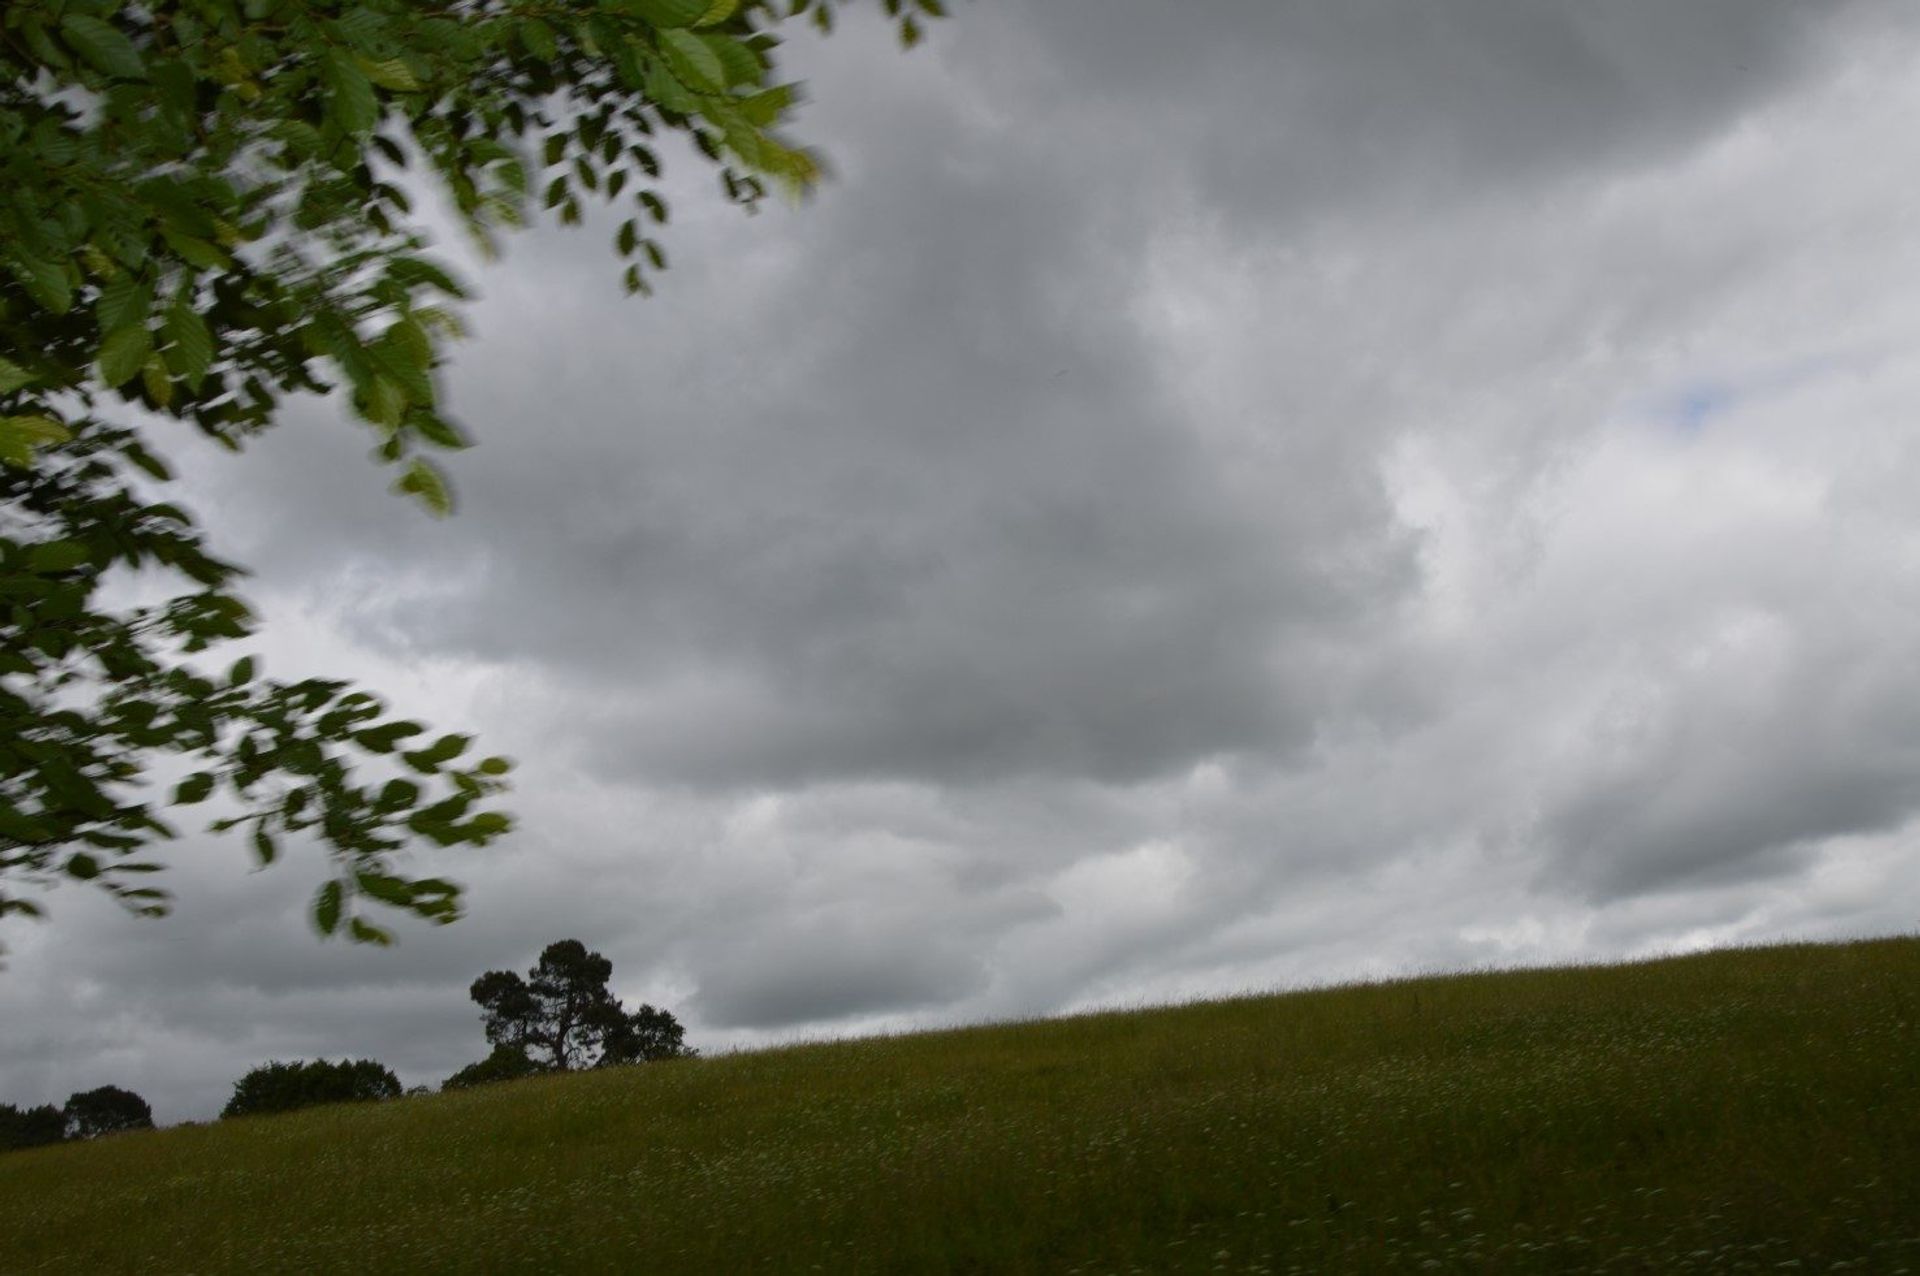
[
  {"x": 30, "y": 1127},
  {"x": 562, "y": 1017},
  {"x": 207, "y": 206},
  {"x": 106, "y": 1110},
  {"x": 283, "y": 1087}
]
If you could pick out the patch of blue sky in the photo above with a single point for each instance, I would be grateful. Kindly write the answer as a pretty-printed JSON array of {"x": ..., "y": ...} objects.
[{"x": 1689, "y": 407}]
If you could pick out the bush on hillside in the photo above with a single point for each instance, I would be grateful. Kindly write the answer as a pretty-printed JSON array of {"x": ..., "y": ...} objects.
[
  {"x": 283, "y": 1087},
  {"x": 30, "y": 1127},
  {"x": 504, "y": 1064},
  {"x": 107, "y": 1110}
]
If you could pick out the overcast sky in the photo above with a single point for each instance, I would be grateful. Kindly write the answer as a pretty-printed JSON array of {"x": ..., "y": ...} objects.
[{"x": 1211, "y": 497}]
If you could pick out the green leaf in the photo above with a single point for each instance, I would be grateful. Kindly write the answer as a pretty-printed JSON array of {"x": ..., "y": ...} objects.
[
  {"x": 123, "y": 352},
  {"x": 398, "y": 794},
  {"x": 386, "y": 403},
  {"x": 53, "y": 557},
  {"x": 764, "y": 109},
  {"x": 739, "y": 65},
  {"x": 241, "y": 673},
  {"x": 123, "y": 301},
  {"x": 364, "y": 932},
  {"x": 350, "y": 102},
  {"x": 159, "y": 385},
  {"x": 389, "y": 73},
  {"x": 194, "y": 250},
  {"x": 425, "y": 481},
  {"x": 672, "y": 13},
  {"x": 443, "y": 750},
  {"x": 693, "y": 61},
  {"x": 47, "y": 282},
  {"x": 152, "y": 465},
  {"x": 13, "y": 376},
  {"x": 83, "y": 866},
  {"x": 494, "y": 766},
  {"x": 20, "y": 435},
  {"x": 717, "y": 12},
  {"x": 102, "y": 45},
  {"x": 388, "y": 890},
  {"x": 538, "y": 37},
  {"x": 190, "y": 353},
  {"x": 263, "y": 845},
  {"x": 326, "y": 908},
  {"x": 490, "y": 824},
  {"x": 384, "y": 739},
  {"x": 439, "y": 431},
  {"x": 197, "y": 787}
]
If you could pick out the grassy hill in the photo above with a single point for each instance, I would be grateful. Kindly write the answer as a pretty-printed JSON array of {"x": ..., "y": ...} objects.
[{"x": 1746, "y": 1110}]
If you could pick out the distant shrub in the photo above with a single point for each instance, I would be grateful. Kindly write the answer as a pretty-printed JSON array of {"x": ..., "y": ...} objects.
[
  {"x": 107, "y": 1110},
  {"x": 30, "y": 1127},
  {"x": 505, "y": 1064},
  {"x": 283, "y": 1087}
]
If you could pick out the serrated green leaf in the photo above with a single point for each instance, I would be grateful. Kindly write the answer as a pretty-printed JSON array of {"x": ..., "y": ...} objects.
[
  {"x": 389, "y": 73},
  {"x": 717, "y": 12},
  {"x": 739, "y": 65},
  {"x": 351, "y": 103},
  {"x": 194, "y": 250},
  {"x": 155, "y": 380},
  {"x": 20, "y": 435},
  {"x": 765, "y": 109},
  {"x": 47, "y": 282},
  {"x": 190, "y": 352},
  {"x": 124, "y": 301},
  {"x": 122, "y": 353},
  {"x": 103, "y": 46},
  {"x": 326, "y": 908},
  {"x": 425, "y": 481},
  {"x": 693, "y": 61},
  {"x": 672, "y": 13},
  {"x": 13, "y": 376},
  {"x": 386, "y": 403}
]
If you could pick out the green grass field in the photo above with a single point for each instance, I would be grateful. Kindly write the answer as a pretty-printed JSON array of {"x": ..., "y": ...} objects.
[{"x": 1749, "y": 1110}]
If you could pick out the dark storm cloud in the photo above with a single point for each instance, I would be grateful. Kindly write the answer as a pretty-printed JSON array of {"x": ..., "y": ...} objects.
[{"x": 833, "y": 968}]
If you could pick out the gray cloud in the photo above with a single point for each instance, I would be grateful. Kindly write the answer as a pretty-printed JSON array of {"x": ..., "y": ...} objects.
[{"x": 1205, "y": 500}]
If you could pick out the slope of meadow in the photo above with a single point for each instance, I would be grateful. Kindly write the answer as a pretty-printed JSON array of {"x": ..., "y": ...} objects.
[{"x": 1746, "y": 1110}]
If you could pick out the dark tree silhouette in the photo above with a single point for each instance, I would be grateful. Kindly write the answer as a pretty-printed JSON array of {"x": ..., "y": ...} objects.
[
  {"x": 30, "y": 1127},
  {"x": 645, "y": 1036},
  {"x": 282, "y": 1087},
  {"x": 561, "y": 1017},
  {"x": 107, "y": 1110},
  {"x": 506, "y": 1063}
]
